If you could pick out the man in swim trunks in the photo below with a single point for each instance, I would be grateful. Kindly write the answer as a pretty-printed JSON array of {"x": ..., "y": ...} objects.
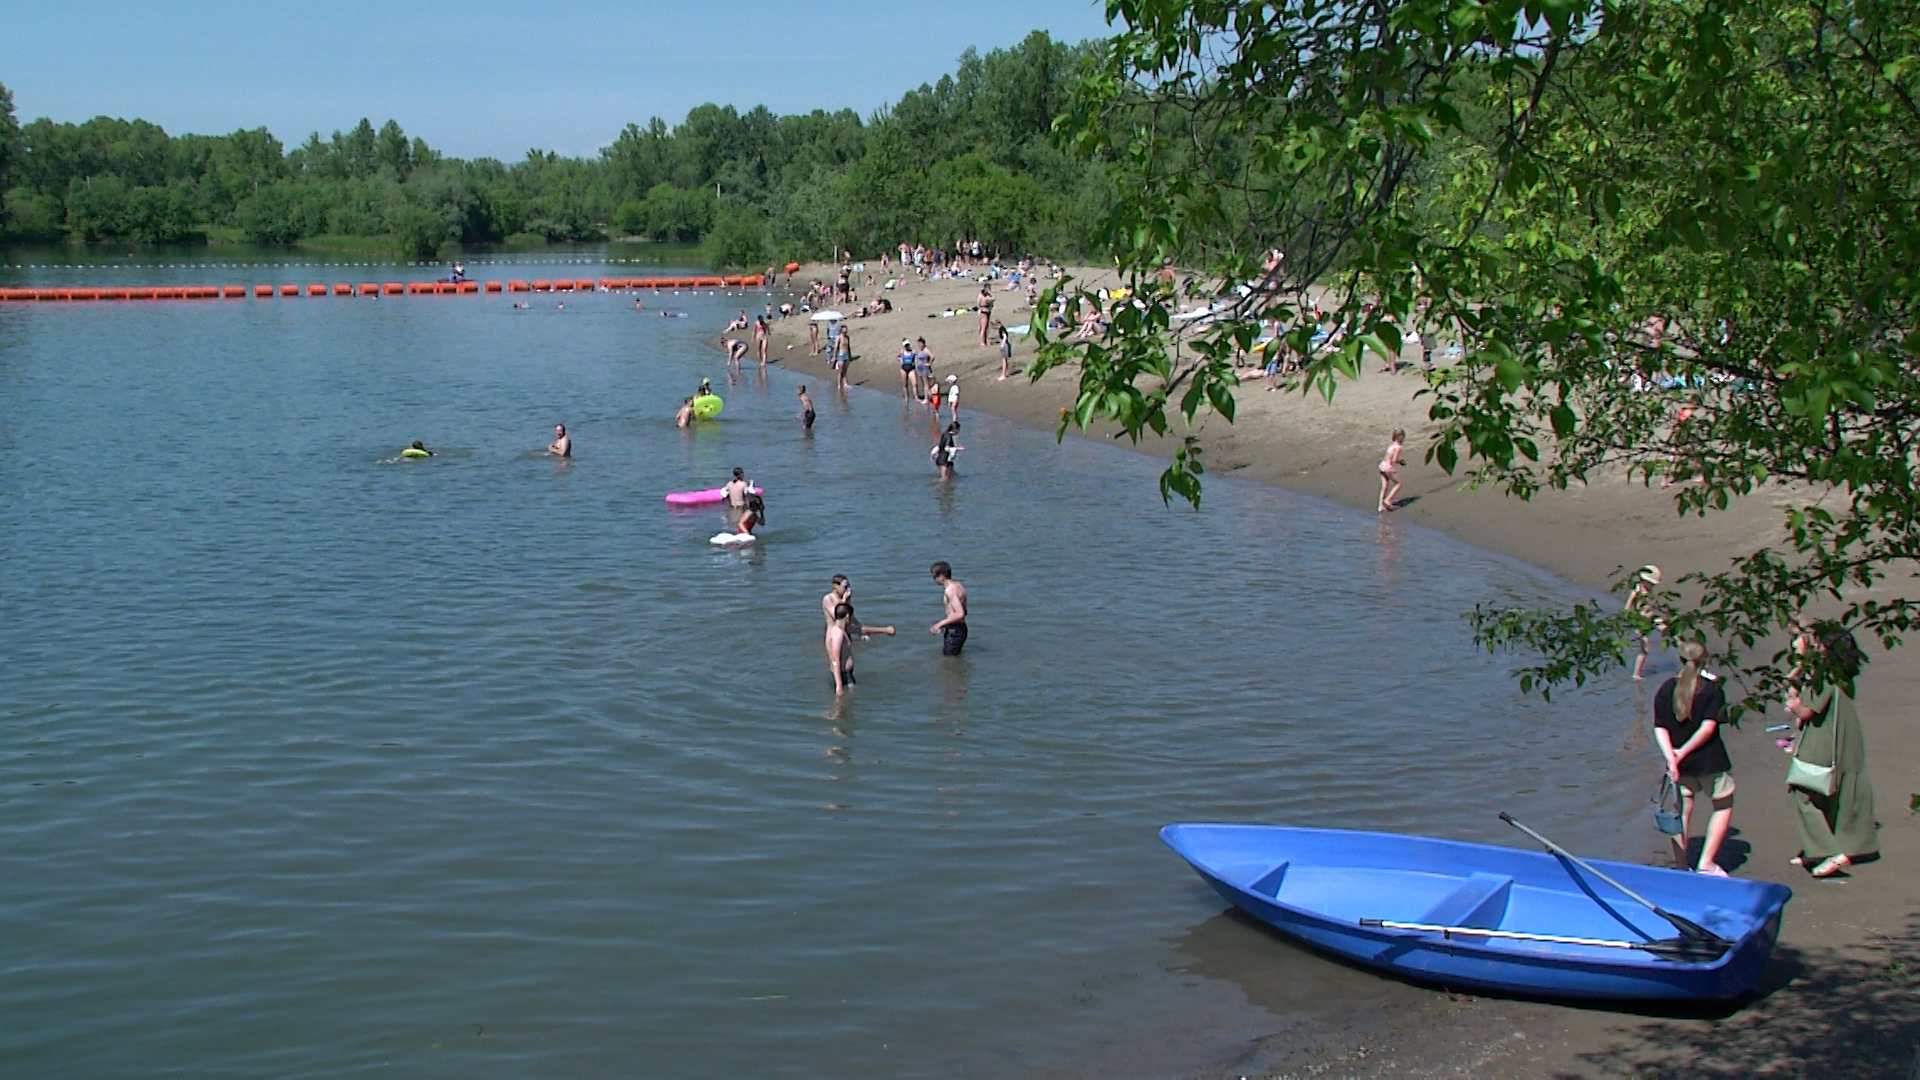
[
  {"x": 685, "y": 415},
  {"x": 562, "y": 442},
  {"x": 953, "y": 628},
  {"x": 806, "y": 408},
  {"x": 844, "y": 358},
  {"x": 840, "y": 648}
]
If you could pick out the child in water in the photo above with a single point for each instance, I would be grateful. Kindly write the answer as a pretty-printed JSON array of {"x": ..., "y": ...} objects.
[{"x": 756, "y": 514}]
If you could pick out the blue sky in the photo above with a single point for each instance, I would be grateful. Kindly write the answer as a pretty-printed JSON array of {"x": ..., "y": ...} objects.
[{"x": 480, "y": 77}]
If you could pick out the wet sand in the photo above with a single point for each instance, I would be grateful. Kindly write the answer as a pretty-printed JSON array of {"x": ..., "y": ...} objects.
[{"x": 1843, "y": 996}]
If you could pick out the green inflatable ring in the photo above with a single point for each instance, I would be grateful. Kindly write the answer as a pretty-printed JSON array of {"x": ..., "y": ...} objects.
[{"x": 707, "y": 406}]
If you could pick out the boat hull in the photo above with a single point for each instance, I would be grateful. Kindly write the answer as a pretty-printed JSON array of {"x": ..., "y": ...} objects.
[{"x": 1340, "y": 877}]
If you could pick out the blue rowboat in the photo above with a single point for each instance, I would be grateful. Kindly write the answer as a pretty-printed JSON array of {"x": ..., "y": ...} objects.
[{"x": 1493, "y": 918}]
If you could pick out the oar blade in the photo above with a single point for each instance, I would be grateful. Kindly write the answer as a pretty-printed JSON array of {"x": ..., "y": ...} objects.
[{"x": 1687, "y": 949}]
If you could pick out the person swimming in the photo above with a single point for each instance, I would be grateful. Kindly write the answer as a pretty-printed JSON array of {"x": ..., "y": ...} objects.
[
  {"x": 685, "y": 415},
  {"x": 418, "y": 449}
]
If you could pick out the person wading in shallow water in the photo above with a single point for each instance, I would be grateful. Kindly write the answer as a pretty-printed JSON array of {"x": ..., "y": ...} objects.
[
  {"x": 953, "y": 628},
  {"x": 840, "y": 648}
]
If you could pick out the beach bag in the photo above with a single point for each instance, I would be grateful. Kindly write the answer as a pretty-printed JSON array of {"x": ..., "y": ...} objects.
[{"x": 1666, "y": 807}]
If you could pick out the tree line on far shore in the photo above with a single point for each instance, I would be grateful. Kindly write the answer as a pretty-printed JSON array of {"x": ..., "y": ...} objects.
[{"x": 971, "y": 155}]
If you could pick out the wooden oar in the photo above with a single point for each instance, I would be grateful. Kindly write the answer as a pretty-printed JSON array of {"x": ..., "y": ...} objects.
[
  {"x": 1668, "y": 948},
  {"x": 1702, "y": 938}
]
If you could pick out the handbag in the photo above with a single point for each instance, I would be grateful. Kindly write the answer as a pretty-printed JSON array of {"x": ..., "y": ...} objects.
[
  {"x": 1822, "y": 780},
  {"x": 1666, "y": 807}
]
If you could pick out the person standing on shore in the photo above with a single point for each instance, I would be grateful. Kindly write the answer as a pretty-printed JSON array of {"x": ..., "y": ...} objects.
[
  {"x": 844, "y": 358},
  {"x": 813, "y": 338},
  {"x": 806, "y": 408},
  {"x": 1640, "y": 602},
  {"x": 562, "y": 445},
  {"x": 1688, "y": 710},
  {"x": 922, "y": 370},
  {"x": 908, "y": 378},
  {"x": 1006, "y": 349},
  {"x": 985, "y": 302},
  {"x": 1389, "y": 471},
  {"x": 953, "y": 398},
  {"x": 1836, "y": 822},
  {"x": 953, "y": 628},
  {"x": 760, "y": 334}
]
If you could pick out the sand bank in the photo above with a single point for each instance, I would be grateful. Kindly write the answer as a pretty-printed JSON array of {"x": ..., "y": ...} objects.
[{"x": 1844, "y": 994}]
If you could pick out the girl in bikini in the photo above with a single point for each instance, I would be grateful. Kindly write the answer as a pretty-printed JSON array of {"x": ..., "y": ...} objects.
[{"x": 1389, "y": 467}]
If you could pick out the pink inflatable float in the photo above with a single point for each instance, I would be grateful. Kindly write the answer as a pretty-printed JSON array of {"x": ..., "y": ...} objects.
[{"x": 698, "y": 498}]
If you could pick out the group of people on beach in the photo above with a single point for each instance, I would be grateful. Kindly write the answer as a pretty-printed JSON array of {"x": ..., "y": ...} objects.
[{"x": 1831, "y": 793}]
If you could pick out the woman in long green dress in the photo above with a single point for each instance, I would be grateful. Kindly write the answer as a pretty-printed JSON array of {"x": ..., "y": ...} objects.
[{"x": 1838, "y": 829}]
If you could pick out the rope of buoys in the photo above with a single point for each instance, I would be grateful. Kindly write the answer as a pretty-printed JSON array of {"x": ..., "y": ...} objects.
[{"x": 369, "y": 288}]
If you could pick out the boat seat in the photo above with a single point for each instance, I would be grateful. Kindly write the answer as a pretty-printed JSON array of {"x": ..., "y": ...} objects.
[
  {"x": 1269, "y": 883},
  {"x": 1479, "y": 902}
]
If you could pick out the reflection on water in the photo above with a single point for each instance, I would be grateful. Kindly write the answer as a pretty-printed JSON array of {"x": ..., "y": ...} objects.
[{"x": 342, "y": 760}]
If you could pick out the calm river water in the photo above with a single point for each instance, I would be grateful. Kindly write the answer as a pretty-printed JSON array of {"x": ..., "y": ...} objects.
[{"x": 314, "y": 763}]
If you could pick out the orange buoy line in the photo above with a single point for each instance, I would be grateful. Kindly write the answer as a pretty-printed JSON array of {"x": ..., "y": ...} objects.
[{"x": 371, "y": 288}]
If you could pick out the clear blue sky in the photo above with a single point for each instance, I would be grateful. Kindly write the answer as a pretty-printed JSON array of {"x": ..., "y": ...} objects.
[{"x": 480, "y": 77}]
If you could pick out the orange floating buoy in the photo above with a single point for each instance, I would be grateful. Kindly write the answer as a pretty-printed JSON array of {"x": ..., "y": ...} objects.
[
  {"x": 369, "y": 288},
  {"x": 289, "y": 290},
  {"x": 562, "y": 285},
  {"x": 516, "y": 286},
  {"x": 543, "y": 285},
  {"x": 392, "y": 288},
  {"x": 262, "y": 291},
  {"x": 493, "y": 286},
  {"x": 792, "y": 266},
  {"x": 754, "y": 280},
  {"x": 467, "y": 287},
  {"x": 231, "y": 292},
  {"x": 343, "y": 289},
  {"x": 316, "y": 290},
  {"x": 415, "y": 288},
  {"x": 446, "y": 288}
]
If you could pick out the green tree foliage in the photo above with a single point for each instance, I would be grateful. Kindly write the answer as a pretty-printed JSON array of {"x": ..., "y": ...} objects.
[
  {"x": 738, "y": 238},
  {"x": 971, "y": 156},
  {"x": 9, "y": 135},
  {"x": 1624, "y": 209}
]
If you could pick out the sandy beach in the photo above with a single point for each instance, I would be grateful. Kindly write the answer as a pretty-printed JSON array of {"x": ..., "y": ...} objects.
[{"x": 1843, "y": 998}]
